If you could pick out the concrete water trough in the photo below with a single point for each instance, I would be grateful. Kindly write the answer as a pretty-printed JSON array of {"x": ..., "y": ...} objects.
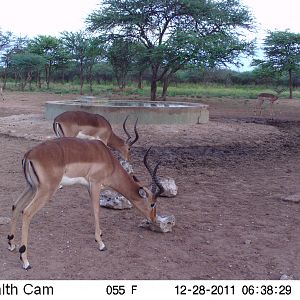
[{"x": 148, "y": 112}]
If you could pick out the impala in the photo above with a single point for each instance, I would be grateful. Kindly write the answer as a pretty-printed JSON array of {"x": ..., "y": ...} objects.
[
  {"x": 1, "y": 93},
  {"x": 68, "y": 161},
  {"x": 266, "y": 97},
  {"x": 93, "y": 126}
]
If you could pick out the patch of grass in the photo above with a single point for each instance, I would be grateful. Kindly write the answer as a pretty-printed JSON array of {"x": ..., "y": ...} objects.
[{"x": 197, "y": 91}]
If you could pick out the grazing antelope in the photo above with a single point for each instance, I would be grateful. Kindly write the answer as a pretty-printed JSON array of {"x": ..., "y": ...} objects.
[
  {"x": 93, "y": 126},
  {"x": 265, "y": 97},
  {"x": 68, "y": 161},
  {"x": 1, "y": 93}
]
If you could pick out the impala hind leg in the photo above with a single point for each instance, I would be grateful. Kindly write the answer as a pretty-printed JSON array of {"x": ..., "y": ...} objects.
[
  {"x": 94, "y": 191},
  {"x": 272, "y": 112},
  {"x": 16, "y": 209},
  {"x": 41, "y": 197},
  {"x": 259, "y": 107}
]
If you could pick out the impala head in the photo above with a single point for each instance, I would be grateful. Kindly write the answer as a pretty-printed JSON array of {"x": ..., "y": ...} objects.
[
  {"x": 129, "y": 142},
  {"x": 150, "y": 196}
]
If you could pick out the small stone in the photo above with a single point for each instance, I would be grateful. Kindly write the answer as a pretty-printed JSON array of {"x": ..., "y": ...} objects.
[
  {"x": 163, "y": 224},
  {"x": 248, "y": 242},
  {"x": 170, "y": 188},
  {"x": 113, "y": 200},
  {"x": 126, "y": 165},
  {"x": 292, "y": 198},
  {"x": 4, "y": 220},
  {"x": 286, "y": 277}
]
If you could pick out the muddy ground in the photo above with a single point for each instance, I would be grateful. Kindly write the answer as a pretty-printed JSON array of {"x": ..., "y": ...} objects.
[{"x": 232, "y": 222}]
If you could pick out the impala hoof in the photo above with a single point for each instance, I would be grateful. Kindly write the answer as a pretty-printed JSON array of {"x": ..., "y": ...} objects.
[
  {"x": 12, "y": 248},
  {"x": 103, "y": 248},
  {"x": 27, "y": 267}
]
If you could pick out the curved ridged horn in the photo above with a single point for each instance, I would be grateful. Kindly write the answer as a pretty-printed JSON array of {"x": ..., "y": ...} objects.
[
  {"x": 124, "y": 127},
  {"x": 156, "y": 187},
  {"x": 145, "y": 161},
  {"x": 130, "y": 143},
  {"x": 160, "y": 189}
]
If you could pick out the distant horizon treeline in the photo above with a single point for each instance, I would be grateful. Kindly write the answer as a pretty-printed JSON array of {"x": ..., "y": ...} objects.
[{"x": 158, "y": 42}]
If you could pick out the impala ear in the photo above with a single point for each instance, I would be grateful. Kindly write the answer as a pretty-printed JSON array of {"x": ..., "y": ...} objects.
[{"x": 142, "y": 193}]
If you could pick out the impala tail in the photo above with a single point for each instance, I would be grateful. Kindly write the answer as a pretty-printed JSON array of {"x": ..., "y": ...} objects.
[
  {"x": 30, "y": 173},
  {"x": 57, "y": 128}
]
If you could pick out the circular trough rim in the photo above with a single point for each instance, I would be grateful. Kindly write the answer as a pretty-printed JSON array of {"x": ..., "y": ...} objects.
[
  {"x": 102, "y": 102},
  {"x": 166, "y": 112}
]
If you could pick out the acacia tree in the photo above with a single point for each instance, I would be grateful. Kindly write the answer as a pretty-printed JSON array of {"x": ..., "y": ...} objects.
[
  {"x": 94, "y": 52},
  {"x": 77, "y": 44},
  {"x": 5, "y": 41},
  {"x": 16, "y": 45},
  {"x": 25, "y": 65},
  {"x": 48, "y": 47},
  {"x": 282, "y": 54},
  {"x": 157, "y": 24},
  {"x": 209, "y": 52},
  {"x": 120, "y": 54}
]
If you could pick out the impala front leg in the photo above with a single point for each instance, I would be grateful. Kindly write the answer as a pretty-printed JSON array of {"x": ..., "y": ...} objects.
[{"x": 94, "y": 191}]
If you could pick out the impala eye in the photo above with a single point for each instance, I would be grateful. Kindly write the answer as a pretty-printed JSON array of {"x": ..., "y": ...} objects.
[
  {"x": 143, "y": 193},
  {"x": 153, "y": 205}
]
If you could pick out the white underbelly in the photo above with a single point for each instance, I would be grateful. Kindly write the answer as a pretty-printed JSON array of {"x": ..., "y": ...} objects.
[
  {"x": 75, "y": 180},
  {"x": 85, "y": 136}
]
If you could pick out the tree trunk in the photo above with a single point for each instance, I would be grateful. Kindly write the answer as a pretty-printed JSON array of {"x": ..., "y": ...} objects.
[
  {"x": 153, "y": 89},
  {"x": 154, "y": 82},
  {"x": 47, "y": 75},
  {"x": 140, "y": 80},
  {"x": 4, "y": 79},
  {"x": 81, "y": 78},
  {"x": 38, "y": 78},
  {"x": 63, "y": 76},
  {"x": 91, "y": 79},
  {"x": 291, "y": 84},
  {"x": 166, "y": 82}
]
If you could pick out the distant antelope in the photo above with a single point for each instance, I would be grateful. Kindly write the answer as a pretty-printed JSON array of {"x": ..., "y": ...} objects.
[
  {"x": 265, "y": 97},
  {"x": 90, "y": 126},
  {"x": 1, "y": 93}
]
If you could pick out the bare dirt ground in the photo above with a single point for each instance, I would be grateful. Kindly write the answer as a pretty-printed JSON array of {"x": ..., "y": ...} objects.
[{"x": 231, "y": 221}]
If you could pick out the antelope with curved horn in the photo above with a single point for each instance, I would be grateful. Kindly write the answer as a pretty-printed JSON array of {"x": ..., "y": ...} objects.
[
  {"x": 265, "y": 97},
  {"x": 93, "y": 126},
  {"x": 1, "y": 93},
  {"x": 68, "y": 161}
]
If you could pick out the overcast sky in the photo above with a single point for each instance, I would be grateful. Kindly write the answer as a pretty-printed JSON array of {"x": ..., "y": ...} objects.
[
  {"x": 38, "y": 17},
  {"x": 275, "y": 15},
  {"x": 34, "y": 17}
]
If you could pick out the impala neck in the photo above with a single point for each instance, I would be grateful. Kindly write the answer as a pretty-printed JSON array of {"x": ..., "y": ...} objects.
[
  {"x": 115, "y": 142},
  {"x": 124, "y": 184}
]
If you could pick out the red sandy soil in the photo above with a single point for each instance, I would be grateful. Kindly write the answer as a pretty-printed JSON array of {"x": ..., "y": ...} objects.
[{"x": 231, "y": 221}]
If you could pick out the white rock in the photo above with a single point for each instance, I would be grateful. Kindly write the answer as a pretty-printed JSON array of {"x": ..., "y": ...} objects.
[
  {"x": 4, "y": 220},
  {"x": 126, "y": 165},
  {"x": 162, "y": 224},
  {"x": 286, "y": 277},
  {"x": 169, "y": 185},
  {"x": 112, "y": 199},
  {"x": 292, "y": 198}
]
